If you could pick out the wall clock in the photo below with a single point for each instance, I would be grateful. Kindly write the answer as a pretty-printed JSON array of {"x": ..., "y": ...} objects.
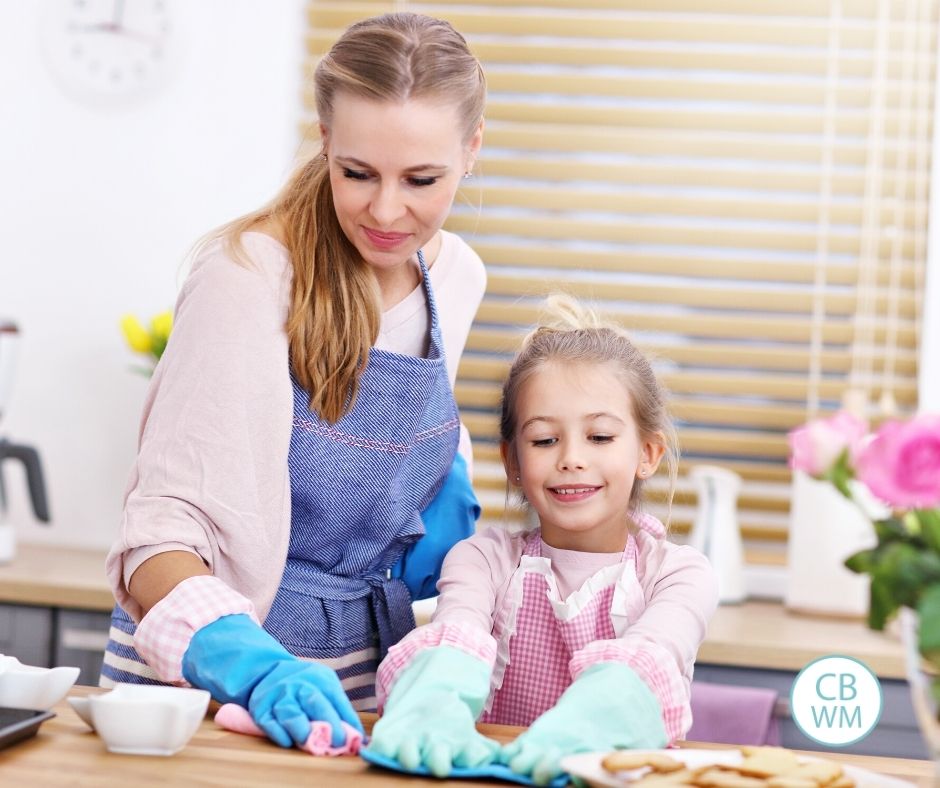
[{"x": 109, "y": 51}]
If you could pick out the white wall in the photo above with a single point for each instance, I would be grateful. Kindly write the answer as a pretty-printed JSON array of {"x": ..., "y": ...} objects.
[{"x": 98, "y": 208}]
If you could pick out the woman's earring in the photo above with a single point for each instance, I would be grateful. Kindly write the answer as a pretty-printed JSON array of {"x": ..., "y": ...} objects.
[
  {"x": 324, "y": 157},
  {"x": 467, "y": 174},
  {"x": 518, "y": 478}
]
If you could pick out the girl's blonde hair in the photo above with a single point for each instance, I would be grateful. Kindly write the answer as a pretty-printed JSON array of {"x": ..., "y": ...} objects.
[
  {"x": 335, "y": 306},
  {"x": 571, "y": 333}
]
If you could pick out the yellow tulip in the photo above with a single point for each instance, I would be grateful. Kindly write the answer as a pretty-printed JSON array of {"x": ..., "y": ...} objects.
[
  {"x": 162, "y": 325},
  {"x": 136, "y": 335}
]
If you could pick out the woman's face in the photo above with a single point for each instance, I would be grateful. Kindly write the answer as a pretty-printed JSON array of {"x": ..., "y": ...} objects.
[{"x": 394, "y": 168}]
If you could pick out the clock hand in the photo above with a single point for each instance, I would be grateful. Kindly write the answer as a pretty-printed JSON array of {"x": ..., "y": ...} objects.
[
  {"x": 118, "y": 14},
  {"x": 108, "y": 27}
]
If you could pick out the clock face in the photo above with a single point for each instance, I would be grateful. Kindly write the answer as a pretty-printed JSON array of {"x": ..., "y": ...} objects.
[{"x": 109, "y": 51}]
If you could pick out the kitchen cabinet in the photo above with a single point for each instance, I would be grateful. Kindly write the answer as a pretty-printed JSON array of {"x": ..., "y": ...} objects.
[
  {"x": 896, "y": 734},
  {"x": 50, "y": 636},
  {"x": 27, "y": 633}
]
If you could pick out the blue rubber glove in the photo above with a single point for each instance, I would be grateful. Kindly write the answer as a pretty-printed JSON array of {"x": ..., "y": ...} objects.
[
  {"x": 430, "y": 716},
  {"x": 450, "y": 517},
  {"x": 607, "y": 707},
  {"x": 238, "y": 662}
]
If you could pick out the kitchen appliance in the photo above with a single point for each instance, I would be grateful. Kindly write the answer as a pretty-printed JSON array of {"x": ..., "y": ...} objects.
[
  {"x": 715, "y": 530},
  {"x": 9, "y": 340}
]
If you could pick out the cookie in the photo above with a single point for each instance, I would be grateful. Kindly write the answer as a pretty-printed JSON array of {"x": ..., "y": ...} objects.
[
  {"x": 767, "y": 762},
  {"x": 822, "y": 772},
  {"x": 663, "y": 779},
  {"x": 625, "y": 760},
  {"x": 713, "y": 777}
]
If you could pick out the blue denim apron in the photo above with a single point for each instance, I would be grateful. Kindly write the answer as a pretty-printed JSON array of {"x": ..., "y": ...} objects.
[{"x": 357, "y": 490}]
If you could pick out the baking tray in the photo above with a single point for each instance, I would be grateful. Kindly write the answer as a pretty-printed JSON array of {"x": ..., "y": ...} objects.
[{"x": 19, "y": 724}]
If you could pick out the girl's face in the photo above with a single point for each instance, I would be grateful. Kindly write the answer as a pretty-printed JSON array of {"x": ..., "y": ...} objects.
[
  {"x": 394, "y": 169},
  {"x": 577, "y": 454}
]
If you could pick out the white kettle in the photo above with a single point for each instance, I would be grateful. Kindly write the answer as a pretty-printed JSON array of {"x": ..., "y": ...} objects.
[
  {"x": 9, "y": 339},
  {"x": 715, "y": 531}
]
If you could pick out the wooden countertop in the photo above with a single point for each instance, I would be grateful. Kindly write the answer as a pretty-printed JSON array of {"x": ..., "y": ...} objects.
[
  {"x": 767, "y": 635},
  {"x": 65, "y": 752},
  {"x": 755, "y": 634},
  {"x": 56, "y": 576}
]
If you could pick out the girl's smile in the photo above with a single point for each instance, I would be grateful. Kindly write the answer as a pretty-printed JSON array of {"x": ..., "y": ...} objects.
[{"x": 573, "y": 494}]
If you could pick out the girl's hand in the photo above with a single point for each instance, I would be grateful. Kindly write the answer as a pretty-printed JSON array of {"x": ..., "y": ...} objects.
[
  {"x": 430, "y": 716},
  {"x": 435, "y": 730},
  {"x": 607, "y": 707}
]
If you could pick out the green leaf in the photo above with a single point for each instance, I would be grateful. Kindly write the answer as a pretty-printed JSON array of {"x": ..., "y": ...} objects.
[
  {"x": 881, "y": 606},
  {"x": 929, "y": 527},
  {"x": 863, "y": 562},
  {"x": 928, "y": 611},
  {"x": 159, "y": 345},
  {"x": 899, "y": 574},
  {"x": 935, "y": 690},
  {"x": 892, "y": 530},
  {"x": 841, "y": 473},
  {"x": 147, "y": 372},
  {"x": 906, "y": 571}
]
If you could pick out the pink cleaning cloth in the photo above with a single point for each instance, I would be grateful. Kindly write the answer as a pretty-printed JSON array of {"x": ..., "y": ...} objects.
[
  {"x": 233, "y": 717},
  {"x": 733, "y": 715}
]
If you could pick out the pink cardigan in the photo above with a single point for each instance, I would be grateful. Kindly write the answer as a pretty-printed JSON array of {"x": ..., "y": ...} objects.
[{"x": 211, "y": 472}]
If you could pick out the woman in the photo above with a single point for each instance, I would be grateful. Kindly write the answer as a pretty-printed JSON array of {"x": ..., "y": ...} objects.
[{"x": 302, "y": 421}]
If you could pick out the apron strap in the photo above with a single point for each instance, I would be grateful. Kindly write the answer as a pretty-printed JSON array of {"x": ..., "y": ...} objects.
[{"x": 394, "y": 615}]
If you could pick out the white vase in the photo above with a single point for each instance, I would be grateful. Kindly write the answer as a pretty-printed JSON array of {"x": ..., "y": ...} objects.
[
  {"x": 925, "y": 707},
  {"x": 715, "y": 531},
  {"x": 825, "y": 529}
]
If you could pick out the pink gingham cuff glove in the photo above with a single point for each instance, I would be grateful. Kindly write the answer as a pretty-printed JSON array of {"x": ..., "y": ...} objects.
[
  {"x": 655, "y": 667},
  {"x": 163, "y": 635},
  {"x": 470, "y": 639}
]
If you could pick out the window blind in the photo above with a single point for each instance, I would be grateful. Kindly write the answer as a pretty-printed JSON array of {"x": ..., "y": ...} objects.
[{"x": 743, "y": 185}]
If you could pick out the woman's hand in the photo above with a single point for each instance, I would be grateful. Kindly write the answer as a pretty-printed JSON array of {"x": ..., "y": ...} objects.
[
  {"x": 450, "y": 517},
  {"x": 238, "y": 662}
]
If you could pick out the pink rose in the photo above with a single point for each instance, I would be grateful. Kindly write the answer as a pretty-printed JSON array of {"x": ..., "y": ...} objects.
[
  {"x": 816, "y": 445},
  {"x": 902, "y": 464}
]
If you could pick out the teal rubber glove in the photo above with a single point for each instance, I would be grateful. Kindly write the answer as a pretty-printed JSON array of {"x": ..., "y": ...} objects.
[
  {"x": 238, "y": 662},
  {"x": 430, "y": 715},
  {"x": 450, "y": 517},
  {"x": 607, "y": 707}
]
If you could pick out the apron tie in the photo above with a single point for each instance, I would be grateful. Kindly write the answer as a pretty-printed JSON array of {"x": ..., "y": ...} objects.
[{"x": 394, "y": 615}]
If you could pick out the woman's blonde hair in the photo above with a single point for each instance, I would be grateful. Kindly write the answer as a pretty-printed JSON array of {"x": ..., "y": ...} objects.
[
  {"x": 571, "y": 333},
  {"x": 335, "y": 307}
]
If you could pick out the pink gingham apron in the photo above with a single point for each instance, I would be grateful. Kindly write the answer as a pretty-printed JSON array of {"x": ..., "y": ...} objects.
[{"x": 544, "y": 638}]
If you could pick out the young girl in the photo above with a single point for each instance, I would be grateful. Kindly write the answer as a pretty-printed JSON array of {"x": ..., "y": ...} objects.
[{"x": 584, "y": 629}]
